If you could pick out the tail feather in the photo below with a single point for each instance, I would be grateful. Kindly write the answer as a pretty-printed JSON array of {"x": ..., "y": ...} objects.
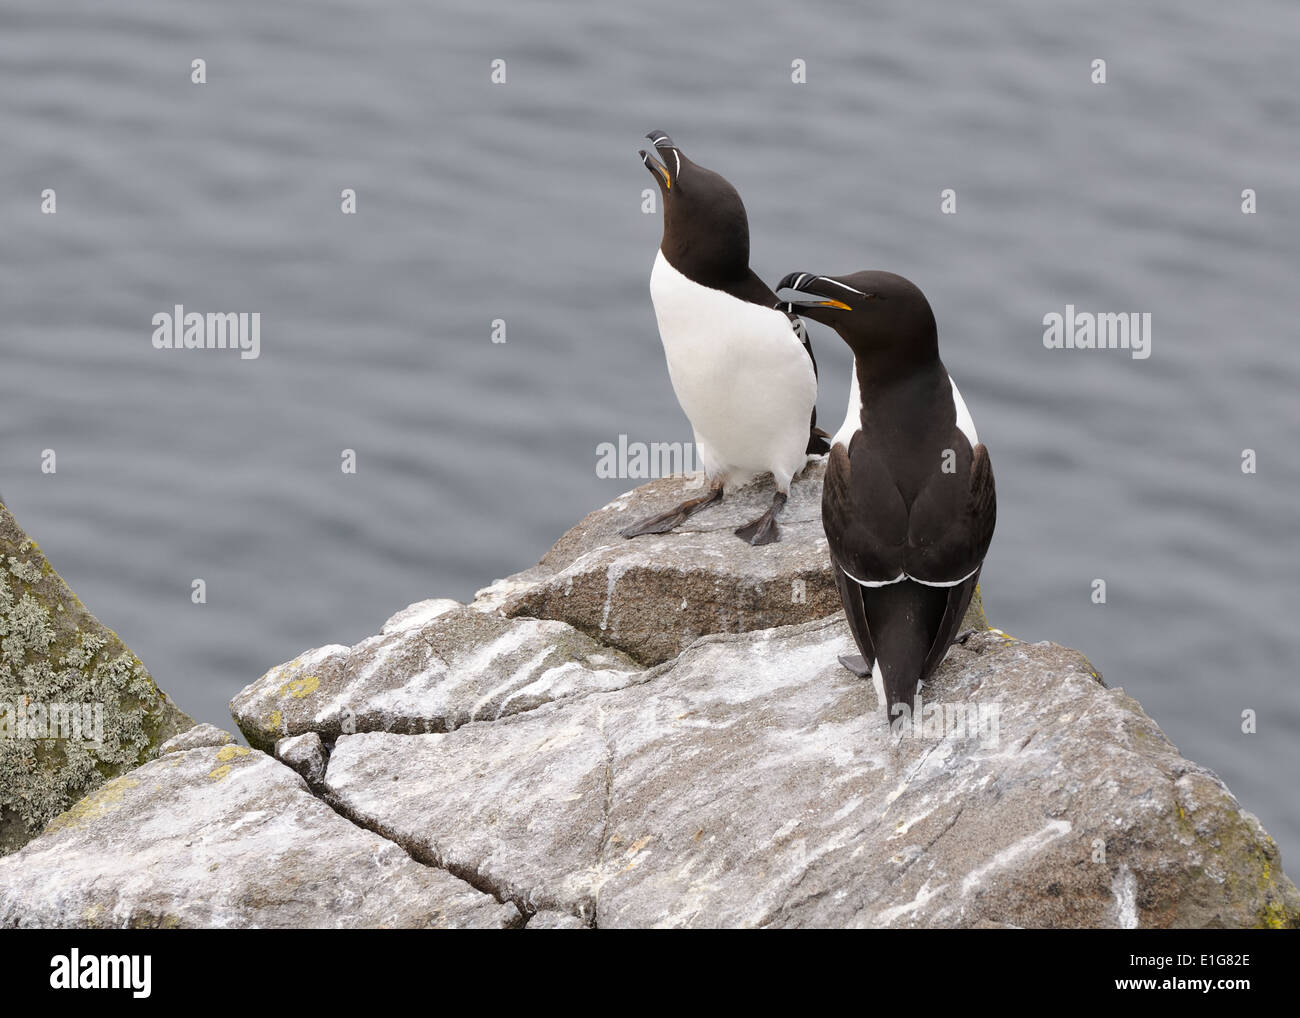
[{"x": 905, "y": 619}]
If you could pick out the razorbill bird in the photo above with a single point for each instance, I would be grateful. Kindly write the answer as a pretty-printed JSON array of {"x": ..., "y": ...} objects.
[
  {"x": 743, "y": 371},
  {"x": 908, "y": 503}
]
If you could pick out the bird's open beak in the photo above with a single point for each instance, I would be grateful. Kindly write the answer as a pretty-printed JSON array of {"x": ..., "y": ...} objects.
[
  {"x": 829, "y": 293},
  {"x": 666, "y": 150}
]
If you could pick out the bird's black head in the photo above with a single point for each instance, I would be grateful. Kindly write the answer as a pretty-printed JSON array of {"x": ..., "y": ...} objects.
[
  {"x": 706, "y": 231},
  {"x": 883, "y": 317}
]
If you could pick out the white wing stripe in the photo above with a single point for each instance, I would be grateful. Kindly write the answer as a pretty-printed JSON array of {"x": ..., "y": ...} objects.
[
  {"x": 946, "y": 583},
  {"x": 903, "y": 576},
  {"x": 874, "y": 583}
]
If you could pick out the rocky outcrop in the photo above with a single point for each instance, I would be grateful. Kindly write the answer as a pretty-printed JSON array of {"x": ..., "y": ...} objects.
[
  {"x": 654, "y": 596},
  {"x": 756, "y": 783},
  {"x": 435, "y": 666},
  {"x": 196, "y": 738},
  {"x": 76, "y": 706},
  {"x": 306, "y": 754},
  {"x": 724, "y": 770},
  {"x": 225, "y": 836}
]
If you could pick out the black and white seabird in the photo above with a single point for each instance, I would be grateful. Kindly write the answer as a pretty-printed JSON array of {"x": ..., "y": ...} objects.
[
  {"x": 743, "y": 371},
  {"x": 908, "y": 503}
]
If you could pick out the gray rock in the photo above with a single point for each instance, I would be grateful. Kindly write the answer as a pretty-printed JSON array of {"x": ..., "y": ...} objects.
[
  {"x": 476, "y": 754},
  {"x": 435, "y": 666},
  {"x": 652, "y": 596},
  {"x": 520, "y": 809},
  {"x": 57, "y": 660},
  {"x": 556, "y": 921},
  {"x": 304, "y": 754},
  {"x": 196, "y": 738},
  {"x": 754, "y": 782},
  {"x": 225, "y": 837}
]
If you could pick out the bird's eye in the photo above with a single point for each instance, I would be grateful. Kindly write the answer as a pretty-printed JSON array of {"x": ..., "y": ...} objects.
[{"x": 871, "y": 296}]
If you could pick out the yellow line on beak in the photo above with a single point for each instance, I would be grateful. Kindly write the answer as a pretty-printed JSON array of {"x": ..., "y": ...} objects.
[{"x": 833, "y": 304}]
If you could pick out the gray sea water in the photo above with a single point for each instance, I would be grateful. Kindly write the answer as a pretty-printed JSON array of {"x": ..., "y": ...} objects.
[{"x": 522, "y": 201}]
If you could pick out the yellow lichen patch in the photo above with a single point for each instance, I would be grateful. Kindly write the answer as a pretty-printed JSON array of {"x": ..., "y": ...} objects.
[
  {"x": 274, "y": 721},
  {"x": 300, "y": 688},
  {"x": 106, "y": 798},
  {"x": 1273, "y": 916},
  {"x": 219, "y": 773},
  {"x": 230, "y": 752}
]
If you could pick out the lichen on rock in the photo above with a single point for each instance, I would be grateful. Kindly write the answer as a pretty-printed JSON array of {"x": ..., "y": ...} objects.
[{"x": 55, "y": 657}]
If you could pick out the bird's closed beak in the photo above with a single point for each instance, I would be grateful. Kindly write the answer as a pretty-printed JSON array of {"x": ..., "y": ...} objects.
[{"x": 667, "y": 151}]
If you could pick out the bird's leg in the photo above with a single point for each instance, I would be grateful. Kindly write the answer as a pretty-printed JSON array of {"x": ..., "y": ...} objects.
[
  {"x": 764, "y": 530},
  {"x": 665, "y": 522}
]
